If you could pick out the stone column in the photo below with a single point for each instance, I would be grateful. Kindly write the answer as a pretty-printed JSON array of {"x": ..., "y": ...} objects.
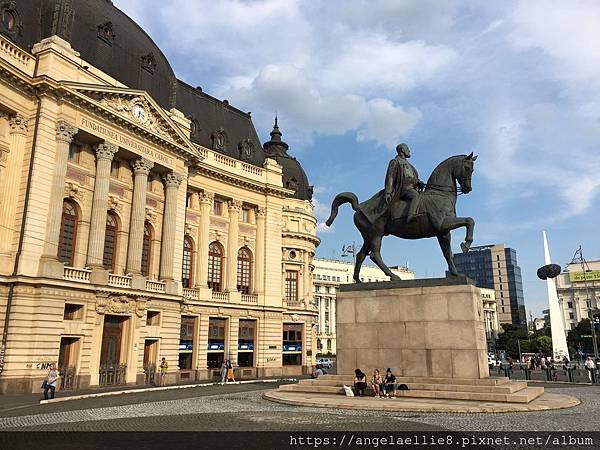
[
  {"x": 259, "y": 257},
  {"x": 104, "y": 156},
  {"x": 232, "y": 244},
  {"x": 11, "y": 180},
  {"x": 167, "y": 250},
  {"x": 141, "y": 169},
  {"x": 332, "y": 313},
  {"x": 64, "y": 136},
  {"x": 206, "y": 201}
]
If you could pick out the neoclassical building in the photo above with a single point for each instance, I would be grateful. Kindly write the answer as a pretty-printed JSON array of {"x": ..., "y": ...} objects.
[{"x": 141, "y": 218}]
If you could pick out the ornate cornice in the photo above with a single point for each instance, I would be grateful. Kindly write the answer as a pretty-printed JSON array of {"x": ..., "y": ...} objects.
[
  {"x": 65, "y": 131},
  {"x": 106, "y": 150},
  {"x": 142, "y": 166},
  {"x": 172, "y": 180}
]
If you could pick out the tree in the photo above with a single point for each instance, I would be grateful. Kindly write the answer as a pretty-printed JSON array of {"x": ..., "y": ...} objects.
[
  {"x": 543, "y": 345},
  {"x": 580, "y": 337},
  {"x": 509, "y": 339}
]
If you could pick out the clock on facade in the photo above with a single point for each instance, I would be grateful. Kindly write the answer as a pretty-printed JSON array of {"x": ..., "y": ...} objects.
[{"x": 139, "y": 112}]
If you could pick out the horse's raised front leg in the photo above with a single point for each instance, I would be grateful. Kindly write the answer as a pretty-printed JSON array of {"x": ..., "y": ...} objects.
[
  {"x": 376, "y": 258},
  {"x": 452, "y": 223},
  {"x": 360, "y": 257},
  {"x": 445, "y": 241}
]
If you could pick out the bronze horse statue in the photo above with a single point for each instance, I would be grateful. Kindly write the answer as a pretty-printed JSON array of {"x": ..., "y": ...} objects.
[{"x": 436, "y": 214}]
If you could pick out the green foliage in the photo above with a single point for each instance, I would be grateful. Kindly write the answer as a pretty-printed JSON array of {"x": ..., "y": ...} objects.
[
  {"x": 544, "y": 345},
  {"x": 576, "y": 338},
  {"x": 513, "y": 335}
]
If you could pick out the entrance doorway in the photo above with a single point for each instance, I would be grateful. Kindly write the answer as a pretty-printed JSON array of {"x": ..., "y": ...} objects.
[
  {"x": 150, "y": 352},
  {"x": 112, "y": 371},
  {"x": 67, "y": 361}
]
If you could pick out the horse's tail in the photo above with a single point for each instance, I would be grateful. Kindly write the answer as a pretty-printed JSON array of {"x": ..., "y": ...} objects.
[{"x": 340, "y": 199}]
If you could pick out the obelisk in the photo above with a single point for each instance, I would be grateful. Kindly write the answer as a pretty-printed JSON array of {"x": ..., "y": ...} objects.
[{"x": 559, "y": 340}]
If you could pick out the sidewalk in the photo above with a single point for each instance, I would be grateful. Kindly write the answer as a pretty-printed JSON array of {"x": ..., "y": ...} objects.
[{"x": 17, "y": 401}]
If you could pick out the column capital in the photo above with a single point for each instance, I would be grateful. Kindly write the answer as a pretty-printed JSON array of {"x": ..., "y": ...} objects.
[
  {"x": 172, "y": 180},
  {"x": 142, "y": 166},
  {"x": 260, "y": 212},
  {"x": 206, "y": 197},
  {"x": 65, "y": 131},
  {"x": 234, "y": 205},
  {"x": 18, "y": 124},
  {"x": 106, "y": 150}
]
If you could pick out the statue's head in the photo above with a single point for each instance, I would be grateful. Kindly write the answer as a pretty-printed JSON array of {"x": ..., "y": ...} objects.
[
  {"x": 466, "y": 172},
  {"x": 403, "y": 150}
]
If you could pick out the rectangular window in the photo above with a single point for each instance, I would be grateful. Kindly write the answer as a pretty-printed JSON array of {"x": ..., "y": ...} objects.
[
  {"x": 186, "y": 342},
  {"x": 217, "y": 207},
  {"x": 571, "y": 315},
  {"x": 216, "y": 342},
  {"x": 291, "y": 285},
  {"x": 245, "y": 215},
  {"x": 153, "y": 318},
  {"x": 569, "y": 304},
  {"x": 150, "y": 181},
  {"x": 73, "y": 312},
  {"x": 114, "y": 168},
  {"x": 292, "y": 344},
  {"x": 74, "y": 151},
  {"x": 246, "y": 337}
]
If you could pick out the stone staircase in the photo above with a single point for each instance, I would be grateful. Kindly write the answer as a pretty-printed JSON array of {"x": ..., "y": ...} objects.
[{"x": 484, "y": 390}]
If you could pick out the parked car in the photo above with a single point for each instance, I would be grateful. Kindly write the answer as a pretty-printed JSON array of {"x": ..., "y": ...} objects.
[
  {"x": 492, "y": 361},
  {"x": 325, "y": 362}
]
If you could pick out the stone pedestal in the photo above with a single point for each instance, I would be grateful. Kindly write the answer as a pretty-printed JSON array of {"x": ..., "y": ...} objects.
[{"x": 418, "y": 328}]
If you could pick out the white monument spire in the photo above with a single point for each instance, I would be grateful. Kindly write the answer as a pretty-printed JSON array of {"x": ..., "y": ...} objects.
[{"x": 559, "y": 340}]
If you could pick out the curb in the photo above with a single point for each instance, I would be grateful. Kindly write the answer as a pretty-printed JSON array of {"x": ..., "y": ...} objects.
[{"x": 154, "y": 389}]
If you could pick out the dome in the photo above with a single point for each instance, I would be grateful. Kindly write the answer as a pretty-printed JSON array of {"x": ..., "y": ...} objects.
[
  {"x": 108, "y": 39},
  {"x": 294, "y": 176}
]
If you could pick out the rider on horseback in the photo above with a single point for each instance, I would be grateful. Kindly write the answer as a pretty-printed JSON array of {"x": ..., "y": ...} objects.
[{"x": 402, "y": 182}]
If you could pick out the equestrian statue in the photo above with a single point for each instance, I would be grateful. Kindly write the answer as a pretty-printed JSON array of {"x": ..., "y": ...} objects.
[{"x": 410, "y": 209}]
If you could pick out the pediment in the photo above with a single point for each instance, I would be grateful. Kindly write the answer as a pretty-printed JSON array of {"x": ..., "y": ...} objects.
[{"x": 138, "y": 109}]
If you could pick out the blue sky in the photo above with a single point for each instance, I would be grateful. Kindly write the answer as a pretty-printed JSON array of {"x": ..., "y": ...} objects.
[{"x": 517, "y": 82}]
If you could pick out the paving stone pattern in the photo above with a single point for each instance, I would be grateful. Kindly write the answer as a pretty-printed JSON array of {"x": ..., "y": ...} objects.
[{"x": 249, "y": 411}]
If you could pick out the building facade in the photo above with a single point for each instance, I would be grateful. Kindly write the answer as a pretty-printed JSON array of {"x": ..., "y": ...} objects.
[
  {"x": 328, "y": 275},
  {"x": 490, "y": 317},
  {"x": 495, "y": 267},
  {"x": 578, "y": 292},
  {"x": 141, "y": 218}
]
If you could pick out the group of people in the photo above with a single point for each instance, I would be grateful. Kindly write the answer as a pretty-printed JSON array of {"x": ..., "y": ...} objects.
[
  {"x": 227, "y": 372},
  {"x": 383, "y": 387}
]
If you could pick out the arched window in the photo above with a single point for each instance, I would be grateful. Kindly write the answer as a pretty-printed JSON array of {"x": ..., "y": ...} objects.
[
  {"x": 68, "y": 233},
  {"x": 215, "y": 266},
  {"x": 244, "y": 270},
  {"x": 147, "y": 249},
  {"x": 186, "y": 272},
  {"x": 110, "y": 242}
]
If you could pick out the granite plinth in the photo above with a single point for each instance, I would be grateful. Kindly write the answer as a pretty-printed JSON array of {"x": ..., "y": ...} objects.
[{"x": 421, "y": 328}]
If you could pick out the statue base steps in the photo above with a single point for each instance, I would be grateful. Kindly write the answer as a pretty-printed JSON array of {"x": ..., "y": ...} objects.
[{"x": 497, "y": 390}]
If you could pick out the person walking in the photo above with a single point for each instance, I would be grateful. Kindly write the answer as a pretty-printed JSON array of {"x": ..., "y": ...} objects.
[
  {"x": 230, "y": 376},
  {"x": 50, "y": 382},
  {"x": 164, "y": 367},
  {"x": 590, "y": 366},
  {"x": 224, "y": 370}
]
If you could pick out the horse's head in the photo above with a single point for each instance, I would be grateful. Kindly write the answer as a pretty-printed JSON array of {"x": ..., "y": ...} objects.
[{"x": 465, "y": 171}]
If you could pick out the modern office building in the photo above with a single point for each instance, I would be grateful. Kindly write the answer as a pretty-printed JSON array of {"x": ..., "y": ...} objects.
[
  {"x": 141, "y": 217},
  {"x": 495, "y": 267},
  {"x": 578, "y": 292},
  {"x": 327, "y": 276}
]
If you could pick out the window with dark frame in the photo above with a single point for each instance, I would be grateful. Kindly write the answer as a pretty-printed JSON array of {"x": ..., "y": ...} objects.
[
  {"x": 217, "y": 207},
  {"x": 186, "y": 270},
  {"x": 110, "y": 242},
  {"x": 244, "y": 270},
  {"x": 291, "y": 285},
  {"x": 146, "y": 249},
  {"x": 292, "y": 344},
  {"x": 68, "y": 233},
  {"x": 153, "y": 318},
  {"x": 245, "y": 215},
  {"x": 247, "y": 329},
  {"x": 215, "y": 266},
  {"x": 73, "y": 311}
]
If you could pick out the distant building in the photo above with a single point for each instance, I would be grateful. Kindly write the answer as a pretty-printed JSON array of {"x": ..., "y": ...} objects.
[
  {"x": 495, "y": 267},
  {"x": 538, "y": 324},
  {"x": 573, "y": 299},
  {"x": 492, "y": 327},
  {"x": 328, "y": 274}
]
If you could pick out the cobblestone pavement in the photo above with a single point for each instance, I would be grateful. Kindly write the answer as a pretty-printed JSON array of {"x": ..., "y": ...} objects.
[{"x": 242, "y": 408}]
